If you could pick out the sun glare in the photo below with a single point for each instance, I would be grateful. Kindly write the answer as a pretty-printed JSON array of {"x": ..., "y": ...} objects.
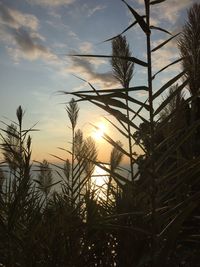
[
  {"x": 99, "y": 176},
  {"x": 99, "y": 131},
  {"x": 99, "y": 181}
]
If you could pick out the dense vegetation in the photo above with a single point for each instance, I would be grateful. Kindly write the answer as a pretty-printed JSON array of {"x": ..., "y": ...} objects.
[{"x": 146, "y": 218}]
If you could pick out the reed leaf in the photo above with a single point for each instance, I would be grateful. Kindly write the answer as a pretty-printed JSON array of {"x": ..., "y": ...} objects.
[
  {"x": 159, "y": 29},
  {"x": 156, "y": 2},
  {"x": 164, "y": 43},
  {"x": 177, "y": 144},
  {"x": 168, "y": 84},
  {"x": 139, "y": 19},
  {"x": 115, "y": 126},
  {"x": 167, "y": 100},
  {"x": 169, "y": 65},
  {"x": 131, "y": 59},
  {"x": 172, "y": 230},
  {"x": 129, "y": 27}
]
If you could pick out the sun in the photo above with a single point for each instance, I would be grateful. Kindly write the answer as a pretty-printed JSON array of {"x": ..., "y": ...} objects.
[{"x": 99, "y": 131}]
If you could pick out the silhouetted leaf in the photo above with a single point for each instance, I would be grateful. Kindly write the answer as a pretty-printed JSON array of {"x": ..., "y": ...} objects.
[
  {"x": 139, "y": 18},
  {"x": 171, "y": 231},
  {"x": 129, "y": 98},
  {"x": 116, "y": 176},
  {"x": 114, "y": 144},
  {"x": 108, "y": 97},
  {"x": 139, "y": 110},
  {"x": 114, "y": 102},
  {"x": 117, "y": 114},
  {"x": 177, "y": 144},
  {"x": 176, "y": 61},
  {"x": 132, "y": 59},
  {"x": 168, "y": 99},
  {"x": 130, "y": 89},
  {"x": 168, "y": 84},
  {"x": 164, "y": 43},
  {"x": 187, "y": 172},
  {"x": 160, "y": 29},
  {"x": 129, "y": 27},
  {"x": 114, "y": 125},
  {"x": 156, "y": 2},
  {"x": 116, "y": 90}
]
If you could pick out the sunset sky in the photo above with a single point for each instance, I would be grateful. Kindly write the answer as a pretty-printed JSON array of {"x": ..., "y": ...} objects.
[{"x": 36, "y": 37}]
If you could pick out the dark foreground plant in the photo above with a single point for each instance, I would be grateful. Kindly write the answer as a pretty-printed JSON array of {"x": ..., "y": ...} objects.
[
  {"x": 149, "y": 220},
  {"x": 154, "y": 211}
]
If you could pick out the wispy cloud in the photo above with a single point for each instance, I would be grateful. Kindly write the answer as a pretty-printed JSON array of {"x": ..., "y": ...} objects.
[
  {"x": 87, "y": 8},
  {"x": 73, "y": 34},
  {"x": 20, "y": 32},
  {"x": 88, "y": 70},
  {"x": 28, "y": 47},
  {"x": 164, "y": 56},
  {"x": 169, "y": 11},
  {"x": 51, "y": 3},
  {"x": 166, "y": 13},
  {"x": 93, "y": 10},
  {"x": 16, "y": 19},
  {"x": 86, "y": 47}
]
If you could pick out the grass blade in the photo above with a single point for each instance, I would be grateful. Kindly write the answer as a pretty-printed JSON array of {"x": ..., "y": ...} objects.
[
  {"x": 156, "y": 2},
  {"x": 164, "y": 43},
  {"x": 132, "y": 59},
  {"x": 168, "y": 99},
  {"x": 168, "y": 84},
  {"x": 139, "y": 19},
  {"x": 160, "y": 29},
  {"x": 176, "y": 61}
]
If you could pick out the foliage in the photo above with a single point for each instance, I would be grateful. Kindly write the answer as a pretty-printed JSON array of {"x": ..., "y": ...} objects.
[
  {"x": 189, "y": 48},
  {"x": 158, "y": 204},
  {"x": 45, "y": 178},
  {"x": 148, "y": 217}
]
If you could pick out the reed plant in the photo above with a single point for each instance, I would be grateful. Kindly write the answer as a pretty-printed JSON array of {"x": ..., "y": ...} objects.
[
  {"x": 151, "y": 219},
  {"x": 159, "y": 206}
]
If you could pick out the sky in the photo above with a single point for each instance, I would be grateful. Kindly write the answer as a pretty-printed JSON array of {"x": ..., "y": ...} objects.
[{"x": 36, "y": 39}]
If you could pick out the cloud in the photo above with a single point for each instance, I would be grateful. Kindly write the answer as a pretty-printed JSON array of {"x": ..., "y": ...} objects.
[
  {"x": 28, "y": 47},
  {"x": 84, "y": 68},
  {"x": 20, "y": 33},
  {"x": 93, "y": 10},
  {"x": 54, "y": 13},
  {"x": 169, "y": 11},
  {"x": 73, "y": 34},
  {"x": 88, "y": 67},
  {"x": 165, "y": 56},
  {"x": 15, "y": 19},
  {"x": 51, "y": 3},
  {"x": 86, "y": 47}
]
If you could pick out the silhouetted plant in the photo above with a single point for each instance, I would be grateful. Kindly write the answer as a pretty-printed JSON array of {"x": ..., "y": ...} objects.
[
  {"x": 45, "y": 178},
  {"x": 19, "y": 199},
  {"x": 123, "y": 72},
  {"x": 152, "y": 220},
  {"x": 164, "y": 212},
  {"x": 189, "y": 49},
  {"x": 115, "y": 159}
]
